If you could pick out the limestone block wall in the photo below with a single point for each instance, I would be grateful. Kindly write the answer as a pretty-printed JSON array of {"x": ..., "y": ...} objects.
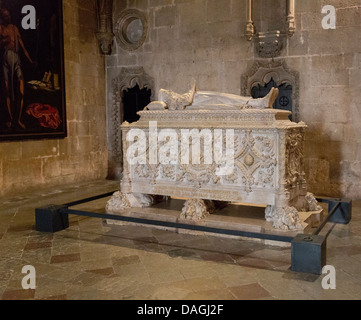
[
  {"x": 204, "y": 40},
  {"x": 329, "y": 64},
  {"x": 83, "y": 154}
]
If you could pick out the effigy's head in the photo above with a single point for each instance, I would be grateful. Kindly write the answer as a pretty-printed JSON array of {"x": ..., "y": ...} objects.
[{"x": 164, "y": 95}]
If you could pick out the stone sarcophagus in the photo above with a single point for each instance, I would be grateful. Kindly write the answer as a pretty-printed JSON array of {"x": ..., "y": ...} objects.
[{"x": 213, "y": 149}]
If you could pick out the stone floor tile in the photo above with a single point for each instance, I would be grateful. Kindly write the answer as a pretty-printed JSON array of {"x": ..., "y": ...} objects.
[
  {"x": 169, "y": 292},
  {"x": 204, "y": 283},
  {"x": 38, "y": 245},
  {"x": 196, "y": 271},
  {"x": 249, "y": 292},
  {"x": 255, "y": 263},
  {"x": 63, "y": 258},
  {"x": 53, "y": 298},
  {"x": 104, "y": 271},
  {"x": 19, "y": 294},
  {"x": 40, "y": 255},
  {"x": 212, "y": 295},
  {"x": 47, "y": 287},
  {"x": 126, "y": 260}
]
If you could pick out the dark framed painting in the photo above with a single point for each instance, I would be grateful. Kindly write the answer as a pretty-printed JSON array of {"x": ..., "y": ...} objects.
[{"x": 32, "y": 80}]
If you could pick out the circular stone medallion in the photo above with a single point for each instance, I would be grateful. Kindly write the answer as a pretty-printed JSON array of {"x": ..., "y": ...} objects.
[{"x": 131, "y": 29}]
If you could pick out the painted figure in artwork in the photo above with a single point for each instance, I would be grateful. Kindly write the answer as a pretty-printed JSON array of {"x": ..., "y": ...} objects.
[{"x": 11, "y": 43}]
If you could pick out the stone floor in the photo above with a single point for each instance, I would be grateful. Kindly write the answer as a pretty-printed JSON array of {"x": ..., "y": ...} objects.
[{"x": 96, "y": 261}]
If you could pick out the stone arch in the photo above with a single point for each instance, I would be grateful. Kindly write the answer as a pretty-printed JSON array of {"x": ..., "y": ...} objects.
[
  {"x": 128, "y": 78},
  {"x": 262, "y": 72}
]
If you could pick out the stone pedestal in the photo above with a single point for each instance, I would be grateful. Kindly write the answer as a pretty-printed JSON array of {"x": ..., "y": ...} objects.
[{"x": 231, "y": 217}]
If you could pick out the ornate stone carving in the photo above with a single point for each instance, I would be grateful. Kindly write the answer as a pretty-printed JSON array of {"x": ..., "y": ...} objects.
[
  {"x": 198, "y": 175},
  {"x": 131, "y": 29},
  {"x": 105, "y": 27},
  {"x": 121, "y": 201},
  {"x": 269, "y": 44},
  {"x": 128, "y": 78},
  {"x": 267, "y": 167},
  {"x": 312, "y": 204},
  {"x": 262, "y": 72},
  {"x": 284, "y": 218},
  {"x": 294, "y": 158},
  {"x": 291, "y": 20},
  {"x": 256, "y": 160},
  {"x": 250, "y": 29},
  {"x": 197, "y": 209}
]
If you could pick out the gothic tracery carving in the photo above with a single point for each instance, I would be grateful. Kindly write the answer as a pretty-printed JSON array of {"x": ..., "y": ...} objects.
[
  {"x": 128, "y": 78},
  {"x": 262, "y": 72}
]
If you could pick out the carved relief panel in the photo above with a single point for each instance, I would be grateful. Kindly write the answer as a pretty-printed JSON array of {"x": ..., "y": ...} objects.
[{"x": 255, "y": 160}]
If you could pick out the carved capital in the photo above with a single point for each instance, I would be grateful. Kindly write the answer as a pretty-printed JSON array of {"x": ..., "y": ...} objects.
[
  {"x": 105, "y": 41},
  {"x": 269, "y": 44},
  {"x": 250, "y": 30},
  {"x": 291, "y": 25}
]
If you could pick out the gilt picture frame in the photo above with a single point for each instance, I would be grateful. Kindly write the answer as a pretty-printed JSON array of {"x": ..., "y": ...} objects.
[{"x": 32, "y": 78}]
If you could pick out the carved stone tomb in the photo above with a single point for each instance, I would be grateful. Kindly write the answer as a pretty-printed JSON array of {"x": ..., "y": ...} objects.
[{"x": 215, "y": 149}]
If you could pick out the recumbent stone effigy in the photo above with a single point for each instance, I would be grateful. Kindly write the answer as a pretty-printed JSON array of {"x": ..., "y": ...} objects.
[{"x": 259, "y": 159}]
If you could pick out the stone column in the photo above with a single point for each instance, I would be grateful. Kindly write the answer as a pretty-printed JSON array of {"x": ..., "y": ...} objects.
[
  {"x": 250, "y": 31},
  {"x": 291, "y": 22},
  {"x": 125, "y": 185}
]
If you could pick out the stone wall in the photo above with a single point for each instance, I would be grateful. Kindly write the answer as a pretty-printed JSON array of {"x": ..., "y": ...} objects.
[
  {"x": 204, "y": 40},
  {"x": 82, "y": 155},
  {"x": 329, "y": 65}
]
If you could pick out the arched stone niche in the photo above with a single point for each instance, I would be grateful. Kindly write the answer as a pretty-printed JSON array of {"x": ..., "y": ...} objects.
[
  {"x": 127, "y": 79},
  {"x": 262, "y": 72}
]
